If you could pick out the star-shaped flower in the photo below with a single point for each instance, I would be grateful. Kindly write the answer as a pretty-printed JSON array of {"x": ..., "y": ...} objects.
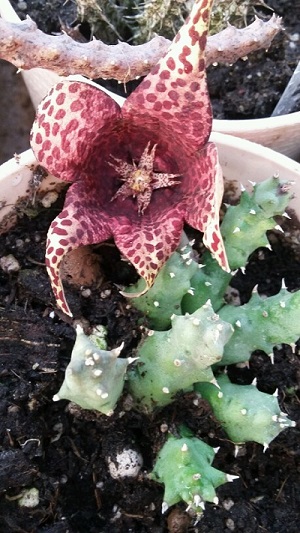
[{"x": 138, "y": 173}]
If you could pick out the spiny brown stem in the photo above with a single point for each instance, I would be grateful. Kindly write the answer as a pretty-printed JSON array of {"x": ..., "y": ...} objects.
[{"x": 26, "y": 47}]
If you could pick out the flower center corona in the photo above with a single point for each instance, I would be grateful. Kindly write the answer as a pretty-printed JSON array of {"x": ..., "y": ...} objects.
[{"x": 140, "y": 180}]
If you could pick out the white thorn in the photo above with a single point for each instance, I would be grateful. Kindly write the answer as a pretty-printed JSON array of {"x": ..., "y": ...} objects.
[
  {"x": 242, "y": 188},
  {"x": 165, "y": 390},
  {"x": 207, "y": 283},
  {"x": 254, "y": 382},
  {"x": 191, "y": 291},
  {"x": 184, "y": 447},
  {"x": 132, "y": 359},
  {"x": 197, "y": 500},
  {"x": 104, "y": 395},
  {"x": 216, "y": 500},
  {"x": 279, "y": 228},
  {"x": 116, "y": 351},
  {"x": 282, "y": 304},
  {"x": 231, "y": 478},
  {"x": 286, "y": 215},
  {"x": 243, "y": 411},
  {"x": 283, "y": 285},
  {"x": 236, "y": 450},
  {"x": 220, "y": 394},
  {"x": 216, "y": 449},
  {"x": 266, "y": 446},
  {"x": 236, "y": 230},
  {"x": 189, "y": 262},
  {"x": 88, "y": 352},
  {"x": 252, "y": 212},
  {"x": 192, "y": 242},
  {"x": 253, "y": 183},
  {"x": 275, "y": 393},
  {"x": 164, "y": 507},
  {"x": 156, "y": 303},
  {"x": 172, "y": 275},
  {"x": 96, "y": 356},
  {"x": 185, "y": 256},
  {"x": 275, "y": 418},
  {"x": 89, "y": 362},
  {"x": 56, "y": 398},
  {"x": 97, "y": 372},
  {"x": 196, "y": 321},
  {"x": 243, "y": 270},
  {"x": 271, "y": 355},
  {"x": 151, "y": 332},
  {"x": 238, "y": 324}
]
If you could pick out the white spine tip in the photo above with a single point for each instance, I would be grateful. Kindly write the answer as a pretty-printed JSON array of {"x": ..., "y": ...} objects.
[
  {"x": 164, "y": 507},
  {"x": 231, "y": 478},
  {"x": 279, "y": 228}
]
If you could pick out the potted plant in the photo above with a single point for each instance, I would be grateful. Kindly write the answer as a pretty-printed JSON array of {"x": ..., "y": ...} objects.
[{"x": 182, "y": 340}]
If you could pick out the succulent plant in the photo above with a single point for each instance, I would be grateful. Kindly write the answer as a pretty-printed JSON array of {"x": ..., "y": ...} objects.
[
  {"x": 94, "y": 378},
  {"x": 261, "y": 324},
  {"x": 243, "y": 229},
  {"x": 171, "y": 361},
  {"x": 164, "y": 298},
  {"x": 245, "y": 413},
  {"x": 183, "y": 465}
]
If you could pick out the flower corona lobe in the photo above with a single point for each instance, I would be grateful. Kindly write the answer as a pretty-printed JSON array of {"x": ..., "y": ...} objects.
[{"x": 136, "y": 173}]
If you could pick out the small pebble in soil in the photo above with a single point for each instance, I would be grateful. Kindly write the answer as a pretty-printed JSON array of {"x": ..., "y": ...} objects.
[
  {"x": 127, "y": 463},
  {"x": 9, "y": 264}
]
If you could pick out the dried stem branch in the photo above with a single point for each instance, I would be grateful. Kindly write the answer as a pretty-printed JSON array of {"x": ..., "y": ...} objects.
[{"x": 26, "y": 47}]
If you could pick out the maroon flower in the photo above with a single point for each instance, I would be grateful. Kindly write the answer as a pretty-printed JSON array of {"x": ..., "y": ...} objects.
[{"x": 138, "y": 172}]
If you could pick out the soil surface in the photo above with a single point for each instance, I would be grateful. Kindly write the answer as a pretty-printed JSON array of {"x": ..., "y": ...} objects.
[{"x": 62, "y": 451}]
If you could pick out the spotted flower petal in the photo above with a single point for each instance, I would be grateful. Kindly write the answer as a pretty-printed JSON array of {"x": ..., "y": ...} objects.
[{"x": 138, "y": 173}]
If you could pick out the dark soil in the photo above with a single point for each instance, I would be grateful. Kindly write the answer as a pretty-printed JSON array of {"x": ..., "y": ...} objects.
[{"x": 61, "y": 450}]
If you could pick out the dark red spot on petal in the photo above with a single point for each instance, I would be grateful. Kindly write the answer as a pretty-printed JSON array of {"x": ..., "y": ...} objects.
[
  {"x": 38, "y": 138},
  {"x": 160, "y": 87},
  {"x": 60, "y": 114},
  {"x": 77, "y": 105},
  {"x": 61, "y": 98},
  {"x": 171, "y": 63},
  {"x": 151, "y": 97},
  {"x": 164, "y": 74}
]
